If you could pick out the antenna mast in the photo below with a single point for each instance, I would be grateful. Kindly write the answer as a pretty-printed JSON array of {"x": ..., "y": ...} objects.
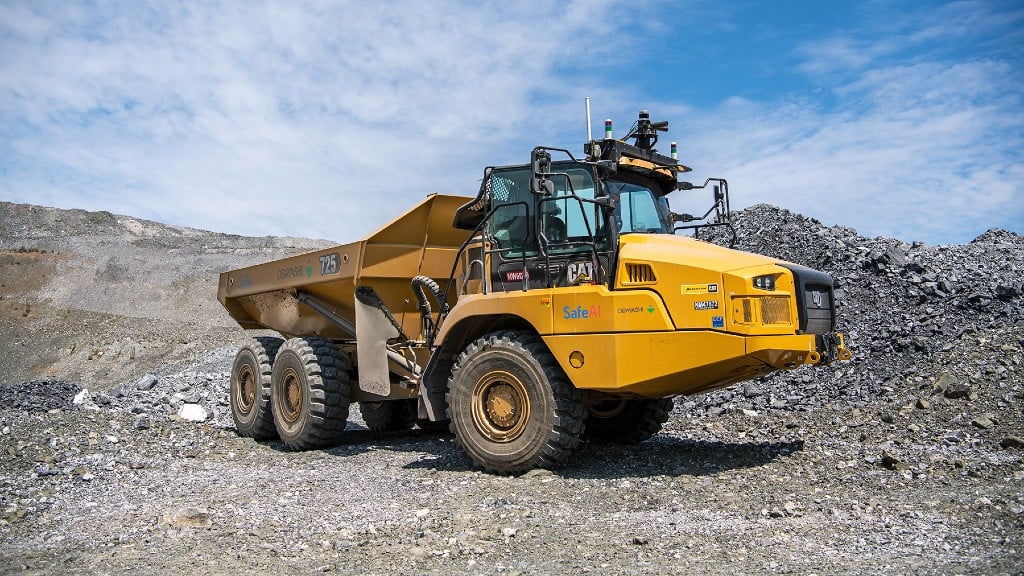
[{"x": 589, "y": 137}]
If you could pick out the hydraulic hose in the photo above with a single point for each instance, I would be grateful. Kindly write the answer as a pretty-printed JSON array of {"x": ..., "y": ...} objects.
[{"x": 418, "y": 285}]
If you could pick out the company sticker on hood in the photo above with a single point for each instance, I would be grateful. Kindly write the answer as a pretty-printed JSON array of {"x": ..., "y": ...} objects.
[{"x": 698, "y": 289}]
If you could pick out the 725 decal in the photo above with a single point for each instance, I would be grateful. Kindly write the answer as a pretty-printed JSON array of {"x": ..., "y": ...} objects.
[{"x": 329, "y": 264}]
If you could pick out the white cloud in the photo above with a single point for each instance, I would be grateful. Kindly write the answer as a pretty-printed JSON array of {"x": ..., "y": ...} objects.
[{"x": 319, "y": 119}]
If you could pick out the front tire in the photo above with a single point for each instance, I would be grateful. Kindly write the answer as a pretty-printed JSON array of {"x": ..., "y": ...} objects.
[
  {"x": 249, "y": 389},
  {"x": 511, "y": 407},
  {"x": 310, "y": 388}
]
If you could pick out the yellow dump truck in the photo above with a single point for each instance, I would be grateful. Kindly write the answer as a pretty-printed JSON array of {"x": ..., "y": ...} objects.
[{"x": 559, "y": 304}]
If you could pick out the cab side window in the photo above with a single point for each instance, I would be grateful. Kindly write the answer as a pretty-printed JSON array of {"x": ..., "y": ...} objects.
[{"x": 511, "y": 224}]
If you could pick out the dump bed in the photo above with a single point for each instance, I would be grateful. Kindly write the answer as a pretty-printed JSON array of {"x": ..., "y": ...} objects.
[{"x": 420, "y": 242}]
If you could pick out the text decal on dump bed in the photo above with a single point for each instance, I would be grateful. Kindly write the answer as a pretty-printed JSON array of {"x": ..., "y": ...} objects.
[
  {"x": 289, "y": 272},
  {"x": 329, "y": 264},
  {"x": 706, "y": 305}
]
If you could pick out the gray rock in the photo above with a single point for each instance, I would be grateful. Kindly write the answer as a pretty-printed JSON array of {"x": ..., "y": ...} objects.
[
  {"x": 895, "y": 256},
  {"x": 957, "y": 389},
  {"x": 1014, "y": 442},
  {"x": 892, "y": 462},
  {"x": 147, "y": 382},
  {"x": 46, "y": 470},
  {"x": 982, "y": 422},
  {"x": 193, "y": 413}
]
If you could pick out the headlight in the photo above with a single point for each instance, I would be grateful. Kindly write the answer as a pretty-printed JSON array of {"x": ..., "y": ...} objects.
[{"x": 766, "y": 282}]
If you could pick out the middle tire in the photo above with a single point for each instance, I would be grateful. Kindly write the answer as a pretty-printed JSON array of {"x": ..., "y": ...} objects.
[
  {"x": 388, "y": 415},
  {"x": 310, "y": 388},
  {"x": 511, "y": 407}
]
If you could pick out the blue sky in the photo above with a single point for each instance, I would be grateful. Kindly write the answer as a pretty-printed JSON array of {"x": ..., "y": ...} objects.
[{"x": 327, "y": 119}]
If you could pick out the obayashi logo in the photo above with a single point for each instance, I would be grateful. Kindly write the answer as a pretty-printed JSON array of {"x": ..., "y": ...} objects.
[
  {"x": 581, "y": 313},
  {"x": 636, "y": 309},
  {"x": 516, "y": 276}
]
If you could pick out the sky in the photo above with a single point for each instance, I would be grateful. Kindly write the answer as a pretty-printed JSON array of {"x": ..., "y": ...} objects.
[{"x": 329, "y": 119}]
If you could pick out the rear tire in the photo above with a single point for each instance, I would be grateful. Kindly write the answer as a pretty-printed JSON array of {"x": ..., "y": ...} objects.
[
  {"x": 388, "y": 415},
  {"x": 310, "y": 387},
  {"x": 511, "y": 407},
  {"x": 626, "y": 421},
  {"x": 249, "y": 389}
]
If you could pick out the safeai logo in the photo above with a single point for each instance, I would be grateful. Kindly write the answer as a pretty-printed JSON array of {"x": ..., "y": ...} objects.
[{"x": 581, "y": 313}]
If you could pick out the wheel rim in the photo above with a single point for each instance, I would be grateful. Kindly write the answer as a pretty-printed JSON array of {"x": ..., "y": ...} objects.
[
  {"x": 246, "y": 384},
  {"x": 501, "y": 406},
  {"x": 293, "y": 397}
]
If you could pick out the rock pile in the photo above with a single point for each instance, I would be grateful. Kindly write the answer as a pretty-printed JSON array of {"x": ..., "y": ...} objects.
[
  {"x": 38, "y": 395},
  {"x": 913, "y": 315},
  {"x": 198, "y": 392}
]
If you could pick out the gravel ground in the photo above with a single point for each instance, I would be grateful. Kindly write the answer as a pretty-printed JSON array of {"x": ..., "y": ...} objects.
[
  {"x": 920, "y": 483},
  {"x": 908, "y": 460}
]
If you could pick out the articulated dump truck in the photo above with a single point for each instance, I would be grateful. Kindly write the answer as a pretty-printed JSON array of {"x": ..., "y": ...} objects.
[{"x": 559, "y": 304}]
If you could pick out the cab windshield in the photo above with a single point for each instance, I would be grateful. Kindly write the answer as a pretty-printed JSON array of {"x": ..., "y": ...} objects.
[{"x": 638, "y": 209}]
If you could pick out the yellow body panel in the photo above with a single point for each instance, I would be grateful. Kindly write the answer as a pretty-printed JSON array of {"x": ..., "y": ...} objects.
[
  {"x": 658, "y": 364},
  {"x": 571, "y": 310}
]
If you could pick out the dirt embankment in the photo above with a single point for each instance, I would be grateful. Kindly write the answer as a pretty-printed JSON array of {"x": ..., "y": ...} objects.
[{"x": 98, "y": 298}]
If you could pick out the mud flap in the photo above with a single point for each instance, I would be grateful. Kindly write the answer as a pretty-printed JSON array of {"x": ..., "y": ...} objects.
[
  {"x": 432, "y": 404},
  {"x": 373, "y": 330}
]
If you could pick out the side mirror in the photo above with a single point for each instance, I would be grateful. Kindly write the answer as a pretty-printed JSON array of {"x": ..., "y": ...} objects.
[
  {"x": 682, "y": 217},
  {"x": 540, "y": 183},
  {"x": 684, "y": 186}
]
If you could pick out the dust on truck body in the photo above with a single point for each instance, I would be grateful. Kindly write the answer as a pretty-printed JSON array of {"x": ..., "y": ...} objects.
[{"x": 558, "y": 304}]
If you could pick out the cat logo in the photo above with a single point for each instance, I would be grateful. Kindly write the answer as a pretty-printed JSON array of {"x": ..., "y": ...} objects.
[{"x": 580, "y": 273}]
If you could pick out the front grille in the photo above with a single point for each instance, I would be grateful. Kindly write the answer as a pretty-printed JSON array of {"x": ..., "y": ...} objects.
[
  {"x": 818, "y": 308},
  {"x": 640, "y": 274},
  {"x": 814, "y": 300},
  {"x": 775, "y": 310}
]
